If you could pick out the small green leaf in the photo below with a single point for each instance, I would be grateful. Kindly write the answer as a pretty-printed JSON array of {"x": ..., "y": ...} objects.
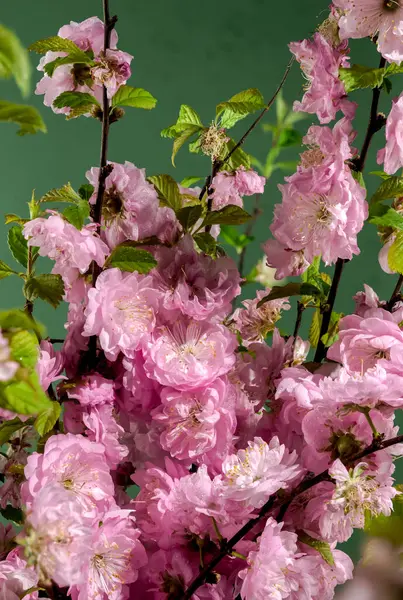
[
  {"x": 46, "y": 419},
  {"x": 189, "y": 215},
  {"x": 314, "y": 330},
  {"x": 85, "y": 191},
  {"x": 239, "y": 158},
  {"x": 395, "y": 254},
  {"x": 7, "y": 428},
  {"x": 63, "y": 194},
  {"x": 182, "y": 139},
  {"x": 12, "y": 514},
  {"x": 358, "y": 77},
  {"x": 229, "y": 215},
  {"x": 18, "y": 245},
  {"x": 128, "y": 258},
  {"x": 234, "y": 238},
  {"x": 206, "y": 243},
  {"x": 358, "y": 176},
  {"x": 168, "y": 191},
  {"x": 5, "y": 270},
  {"x": 79, "y": 102},
  {"x": 189, "y": 181},
  {"x": 48, "y": 287},
  {"x": 281, "y": 108},
  {"x": 389, "y": 188},
  {"x": 187, "y": 117},
  {"x": 332, "y": 334},
  {"x": 18, "y": 319},
  {"x": 14, "y": 60},
  {"x": 135, "y": 97},
  {"x": 380, "y": 174},
  {"x": 322, "y": 547},
  {"x": 77, "y": 214},
  {"x": 389, "y": 218},
  {"x": 289, "y": 137},
  {"x": 55, "y": 44},
  {"x": 27, "y": 117},
  {"x": 290, "y": 289},
  {"x": 25, "y": 397},
  {"x": 24, "y": 348},
  {"x": 239, "y": 106},
  {"x": 12, "y": 218}
]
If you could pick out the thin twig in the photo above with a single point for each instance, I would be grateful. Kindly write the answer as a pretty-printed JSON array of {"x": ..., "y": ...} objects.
[
  {"x": 395, "y": 294},
  {"x": 300, "y": 310}
]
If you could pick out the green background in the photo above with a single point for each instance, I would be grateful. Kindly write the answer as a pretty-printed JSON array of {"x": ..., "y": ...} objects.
[{"x": 184, "y": 52}]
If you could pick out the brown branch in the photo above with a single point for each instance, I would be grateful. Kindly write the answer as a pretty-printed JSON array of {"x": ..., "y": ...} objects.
[
  {"x": 280, "y": 502},
  {"x": 395, "y": 294}
]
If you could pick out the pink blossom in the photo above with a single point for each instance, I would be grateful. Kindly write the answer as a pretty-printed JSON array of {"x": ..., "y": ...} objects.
[
  {"x": 121, "y": 311},
  {"x": 57, "y": 536},
  {"x": 143, "y": 393},
  {"x": 112, "y": 69},
  {"x": 384, "y": 254},
  {"x": 93, "y": 390},
  {"x": 229, "y": 188},
  {"x": 255, "y": 323},
  {"x": 8, "y": 368},
  {"x": 366, "y": 18},
  {"x": 76, "y": 464},
  {"x": 320, "y": 62},
  {"x": 196, "y": 422},
  {"x": 103, "y": 428},
  {"x": 88, "y": 35},
  {"x": 116, "y": 555},
  {"x": 195, "y": 284},
  {"x": 190, "y": 354},
  {"x": 363, "y": 343},
  {"x": 392, "y": 154},
  {"x": 287, "y": 262},
  {"x": 75, "y": 343},
  {"x": 49, "y": 365},
  {"x": 257, "y": 472},
  {"x": 16, "y": 578},
  {"x": 72, "y": 250}
]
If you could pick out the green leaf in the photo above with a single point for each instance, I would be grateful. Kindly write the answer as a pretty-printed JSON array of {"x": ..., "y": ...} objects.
[
  {"x": 290, "y": 289},
  {"x": 18, "y": 245},
  {"x": 322, "y": 547},
  {"x": 24, "y": 348},
  {"x": 46, "y": 419},
  {"x": 229, "y": 215},
  {"x": 189, "y": 181},
  {"x": 80, "y": 103},
  {"x": 187, "y": 117},
  {"x": 380, "y": 174},
  {"x": 289, "y": 137},
  {"x": 77, "y": 213},
  {"x": 135, "y": 97},
  {"x": 56, "y": 44},
  {"x": 358, "y": 176},
  {"x": 189, "y": 215},
  {"x": 27, "y": 117},
  {"x": 12, "y": 218},
  {"x": 389, "y": 188},
  {"x": 358, "y": 77},
  {"x": 239, "y": 106},
  {"x": 73, "y": 58},
  {"x": 25, "y": 397},
  {"x": 18, "y": 319},
  {"x": 395, "y": 254},
  {"x": 238, "y": 159},
  {"x": 332, "y": 334},
  {"x": 14, "y": 60},
  {"x": 85, "y": 191},
  {"x": 63, "y": 194},
  {"x": 12, "y": 514},
  {"x": 128, "y": 258},
  {"x": 182, "y": 139},
  {"x": 48, "y": 287},
  {"x": 5, "y": 270},
  {"x": 389, "y": 218},
  {"x": 168, "y": 191},
  {"x": 206, "y": 243},
  {"x": 7, "y": 428},
  {"x": 314, "y": 330},
  {"x": 233, "y": 238},
  {"x": 281, "y": 108}
]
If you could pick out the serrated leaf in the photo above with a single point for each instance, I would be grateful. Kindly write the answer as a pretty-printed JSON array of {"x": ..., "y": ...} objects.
[
  {"x": 64, "y": 194},
  {"x": 189, "y": 181},
  {"x": 290, "y": 289},
  {"x": 79, "y": 102},
  {"x": 206, "y": 243},
  {"x": 189, "y": 215},
  {"x": 239, "y": 106},
  {"x": 187, "y": 117},
  {"x": 195, "y": 147},
  {"x": 24, "y": 397},
  {"x": 239, "y": 158},
  {"x": 389, "y": 188},
  {"x": 5, "y": 270},
  {"x": 85, "y": 191},
  {"x": 182, "y": 139},
  {"x": 24, "y": 348},
  {"x": 314, "y": 329},
  {"x": 12, "y": 218},
  {"x": 135, "y": 97},
  {"x": 46, "y": 420},
  {"x": 389, "y": 218},
  {"x": 27, "y": 117},
  {"x": 358, "y": 77},
  {"x": 127, "y": 258},
  {"x": 77, "y": 213},
  {"x": 7, "y": 428},
  {"x": 14, "y": 60},
  {"x": 56, "y": 44},
  {"x": 229, "y": 215},
  {"x": 395, "y": 254},
  {"x": 322, "y": 547},
  {"x": 72, "y": 58},
  {"x": 168, "y": 191},
  {"x": 18, "y": 245},
  {"x": 12, "y": 514},
  {"x": 48, "y": 287}
]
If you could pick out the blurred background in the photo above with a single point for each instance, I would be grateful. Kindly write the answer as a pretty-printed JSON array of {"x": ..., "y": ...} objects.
[{"x": 184, "y": 53}]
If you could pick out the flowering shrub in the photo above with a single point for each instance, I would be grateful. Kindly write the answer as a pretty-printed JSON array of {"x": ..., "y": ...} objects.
[{"x": 252, "y": 459}]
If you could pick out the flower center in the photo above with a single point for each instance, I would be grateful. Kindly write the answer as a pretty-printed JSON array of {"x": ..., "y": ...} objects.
[
  {"x": 112, "y": 205},
  {"x": 81, "y": 74},
  {"x": 312, "y": 158},
  {"x": 391, "y": 5}
]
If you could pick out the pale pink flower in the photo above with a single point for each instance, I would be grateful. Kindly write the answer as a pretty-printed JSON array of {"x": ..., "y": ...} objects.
[
  {"x": 257, "y": 472},
  {"x": 195, "y": 284},
  {"x": 49, "y": 365},
  {"x": 88, "y": 35},
  {"x": 112, "y": 69},
  {"x": 16, "y": 578},
  {"x": 196, "y": 422},
  {"x": 116, "y": 555},
  {"x": 8, "y": 368},
  {"x": 103, "y": 428},
  {"x": 76, "y": 464},
  {"x": 57, "y": 536},
  {"x": 121, "y": 311},
  {"x": 384, "y": 254},
  {"x": 320, "y": 63},
  {"x": 367, "y": 18},
  {"x": 392, "y": 155},
  {"x": 287, "y": 262},
  {"x": 190, "y": 354},
  {"x": 93, "y": 390},
  {"x": 230, "y": 187},
  {"x": 255, "y": 323}
]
